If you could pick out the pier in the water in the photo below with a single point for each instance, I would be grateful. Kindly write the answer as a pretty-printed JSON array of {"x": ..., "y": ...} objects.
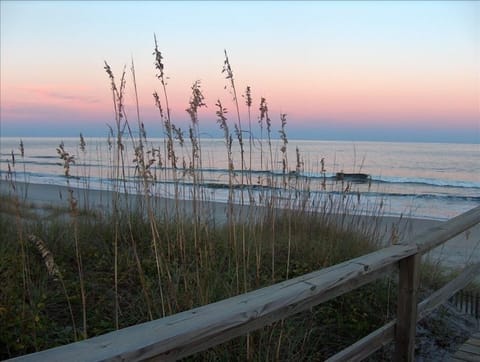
[{"x": 353, "y": 177}]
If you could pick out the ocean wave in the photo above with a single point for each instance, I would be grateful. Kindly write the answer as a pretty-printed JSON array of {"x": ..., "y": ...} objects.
[
  {"x": 47, "y": 157},
  {"x": 403, "y": 180},
  {"x": 37, "y": 163},
  {"x": 43, "y": 178},
  {"x": 212, "y": 173},
  {"x": 425, "y": 196},
  {"x": 427, "y": 182}
]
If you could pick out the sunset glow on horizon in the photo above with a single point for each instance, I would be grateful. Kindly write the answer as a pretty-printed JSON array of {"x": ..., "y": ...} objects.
[{"x": 339, "y": 70}]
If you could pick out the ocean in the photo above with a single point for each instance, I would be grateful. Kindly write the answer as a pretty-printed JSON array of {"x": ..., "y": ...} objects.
[{"x": 425, "y": 180}]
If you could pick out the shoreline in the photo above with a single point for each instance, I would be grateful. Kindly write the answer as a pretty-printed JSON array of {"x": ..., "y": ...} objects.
[{"x": 455, "y": 253}]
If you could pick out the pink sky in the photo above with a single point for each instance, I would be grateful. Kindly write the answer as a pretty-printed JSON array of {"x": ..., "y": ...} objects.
[{"x": 378, "y": 65}]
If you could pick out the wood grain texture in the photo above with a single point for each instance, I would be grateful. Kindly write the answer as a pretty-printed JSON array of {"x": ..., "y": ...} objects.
[
  {"x": 385, "y": 334},
  {"x": 185, "y": 333},
  {"x": 437, "y": 235},
  {"x": 405, "y": 329},
  {"x": 443, "y": 294},
  {"x": 367, "y": 345},
  {"x": 470, "y": 351}
]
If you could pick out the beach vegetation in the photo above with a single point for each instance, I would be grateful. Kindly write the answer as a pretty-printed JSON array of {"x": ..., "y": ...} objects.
[{"x": 73, "y": 272}]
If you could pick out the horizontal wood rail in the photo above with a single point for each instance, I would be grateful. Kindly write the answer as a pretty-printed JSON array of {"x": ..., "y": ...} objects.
[
  {"x": 195, "y": 330},
  {"x": 384, "y": 335}
]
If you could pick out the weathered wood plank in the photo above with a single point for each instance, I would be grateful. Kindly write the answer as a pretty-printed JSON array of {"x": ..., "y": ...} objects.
[
  {"x": 474, "y": 342},
  {"x": 385, "y": 334},
  {"x": 367, "y": 345},
  {"x": 405, "y": 329},
  {"x": 465, "y": 356},
  {"x": 445, "y": 231},
  {"x": 469, "y": 351},
  {"x": 468, "y": 348},
  {"x": 440, "y": 296},
  {"x": 200, "y": 328}
]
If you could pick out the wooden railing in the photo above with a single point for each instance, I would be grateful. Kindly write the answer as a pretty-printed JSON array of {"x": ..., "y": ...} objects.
[
  {"x": 195, "y": 330},
  {"x": 468, "y": 302}
]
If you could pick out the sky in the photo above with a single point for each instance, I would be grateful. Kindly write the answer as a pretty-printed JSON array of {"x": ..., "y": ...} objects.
[{"x": 340, "y": 70}]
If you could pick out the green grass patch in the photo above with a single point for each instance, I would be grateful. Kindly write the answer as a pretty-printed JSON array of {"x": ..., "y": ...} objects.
[{"x": 198, "y": 265}]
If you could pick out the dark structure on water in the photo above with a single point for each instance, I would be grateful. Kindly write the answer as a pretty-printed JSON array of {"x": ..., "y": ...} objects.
[{"x": 353, "y": 177}]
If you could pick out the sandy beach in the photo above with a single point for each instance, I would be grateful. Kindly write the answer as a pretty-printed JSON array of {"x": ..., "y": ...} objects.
[{"x": 456, "y": 253}]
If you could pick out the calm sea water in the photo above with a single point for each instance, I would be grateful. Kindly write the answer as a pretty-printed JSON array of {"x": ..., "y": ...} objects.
[{"x": 425, "y": 180}]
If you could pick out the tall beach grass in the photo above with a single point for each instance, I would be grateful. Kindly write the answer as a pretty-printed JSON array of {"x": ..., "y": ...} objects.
[{"x": 74, "y": 272}]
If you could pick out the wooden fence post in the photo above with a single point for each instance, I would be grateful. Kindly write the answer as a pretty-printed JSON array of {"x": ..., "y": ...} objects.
[
  {"x": 409, "y": 275},
  {"x": 477, "y": 309}
]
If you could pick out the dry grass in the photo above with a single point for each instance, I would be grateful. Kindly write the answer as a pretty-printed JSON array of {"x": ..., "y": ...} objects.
[{"x": 141, "y": 261}]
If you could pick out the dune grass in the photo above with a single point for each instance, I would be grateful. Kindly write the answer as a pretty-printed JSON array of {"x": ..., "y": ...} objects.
[
  {"x": 80, "y": 272},
  {"x": 35, "y": 305}
]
